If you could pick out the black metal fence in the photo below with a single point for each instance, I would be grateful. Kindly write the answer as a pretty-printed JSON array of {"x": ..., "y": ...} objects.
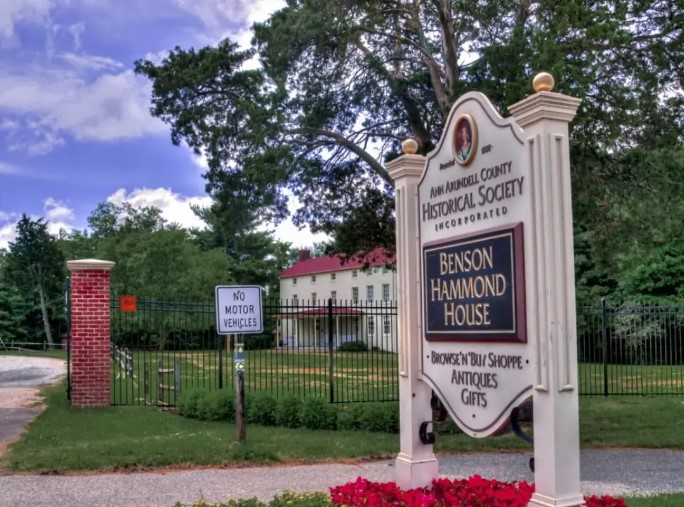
[
  {"x": 630, "y": 348},
  {"x": 343, "y": 352}
]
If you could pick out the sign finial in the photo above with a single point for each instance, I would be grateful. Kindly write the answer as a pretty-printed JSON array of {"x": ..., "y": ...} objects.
[
  {"x": 543, "y": 82},
  {"x": 409, "y": 146}
]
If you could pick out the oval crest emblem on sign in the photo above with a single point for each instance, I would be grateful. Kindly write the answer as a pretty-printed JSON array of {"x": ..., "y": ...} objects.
[{"x": 465, "y": 140}]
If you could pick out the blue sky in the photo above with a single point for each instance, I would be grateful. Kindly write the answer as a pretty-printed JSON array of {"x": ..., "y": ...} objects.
[{"x": 75, "y": 128}]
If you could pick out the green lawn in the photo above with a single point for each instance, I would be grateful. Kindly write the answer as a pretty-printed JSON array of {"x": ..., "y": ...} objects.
[
  {"x": 632, "y": 379},
  {"x": 364, "y": 376},
  {"x": 670, "y": 500},
  {"x": 138, "y": 437}
]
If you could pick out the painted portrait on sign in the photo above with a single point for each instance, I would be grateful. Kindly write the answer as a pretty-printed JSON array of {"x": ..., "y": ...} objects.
[{"x": 465, "y": 139}]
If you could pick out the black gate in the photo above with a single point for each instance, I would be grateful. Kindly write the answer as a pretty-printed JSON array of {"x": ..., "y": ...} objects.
[{"x": 341, "y": 352}]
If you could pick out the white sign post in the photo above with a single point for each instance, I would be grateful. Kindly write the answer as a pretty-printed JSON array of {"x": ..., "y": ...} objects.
[
  {"x": 486, "y": 284},
  {"x": 239, "y": 312}
]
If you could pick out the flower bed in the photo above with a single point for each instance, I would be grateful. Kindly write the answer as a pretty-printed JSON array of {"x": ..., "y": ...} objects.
[{"x": 472, "y": 492}]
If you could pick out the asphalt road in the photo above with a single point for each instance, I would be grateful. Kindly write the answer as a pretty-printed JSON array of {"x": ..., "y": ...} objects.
[{"x": 20, "y": 379}]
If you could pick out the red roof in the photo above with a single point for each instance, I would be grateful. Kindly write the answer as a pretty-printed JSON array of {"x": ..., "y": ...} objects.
[{"x": 340, "y": 262}]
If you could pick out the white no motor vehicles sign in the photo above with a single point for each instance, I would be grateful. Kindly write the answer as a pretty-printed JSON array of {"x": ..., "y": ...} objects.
[{"x": 238, "y": 309}]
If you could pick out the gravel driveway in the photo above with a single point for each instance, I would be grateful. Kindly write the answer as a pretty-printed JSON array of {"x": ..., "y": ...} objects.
[{"x": 20, "y": 380}]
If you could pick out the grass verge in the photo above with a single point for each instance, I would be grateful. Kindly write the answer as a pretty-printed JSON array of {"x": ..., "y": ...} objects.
[
  {"x": 62, "y": 439},
  {"x": 665, "y": 500}
]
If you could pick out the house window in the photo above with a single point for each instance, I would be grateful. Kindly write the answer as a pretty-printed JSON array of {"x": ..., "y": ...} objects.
[
  {"x": 369, "y": 293},
  {"x": 295, "y": 300},
  {"x": 314, "y": 297},
  {"x": 294, "y": 281},
  {"x": 355, "y": 274},
  {"x": 371, "y": 326},
  {"x": 313, "y": 279},
  {"x": 385, "y": 292},
  {"x": 386, "y": 325},
  {"x": 355, "y": 294},
  {"x": 333, "y": 295},
  {"x": 333, "y": 276}
]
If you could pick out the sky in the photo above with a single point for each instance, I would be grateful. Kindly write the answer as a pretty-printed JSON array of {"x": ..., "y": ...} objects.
[{"x": 75, "y": 128}]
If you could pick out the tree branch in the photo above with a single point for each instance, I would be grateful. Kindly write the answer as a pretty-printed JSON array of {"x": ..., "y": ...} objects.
[{"x": 340, "y": 140}]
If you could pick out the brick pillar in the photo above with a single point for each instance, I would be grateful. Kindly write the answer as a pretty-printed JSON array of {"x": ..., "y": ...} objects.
[{"x": 90, "y": 333}]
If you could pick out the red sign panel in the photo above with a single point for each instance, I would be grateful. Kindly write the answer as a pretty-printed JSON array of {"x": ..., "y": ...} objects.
[{"x": 128, "y": 303}]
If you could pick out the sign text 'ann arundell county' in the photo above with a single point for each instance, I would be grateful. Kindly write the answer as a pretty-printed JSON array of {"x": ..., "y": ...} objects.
[
  {"x": 474, "y": 288},
  {"x": 238, "y": 309}
]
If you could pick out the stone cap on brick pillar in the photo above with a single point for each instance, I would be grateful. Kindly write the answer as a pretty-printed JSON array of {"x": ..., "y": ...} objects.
[{"x": 83, "y": 264}]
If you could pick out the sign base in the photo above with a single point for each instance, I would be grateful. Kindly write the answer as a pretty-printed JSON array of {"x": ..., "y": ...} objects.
[
  {"x": 538, "y": 500},
  {"x": 415, "y": 473}
]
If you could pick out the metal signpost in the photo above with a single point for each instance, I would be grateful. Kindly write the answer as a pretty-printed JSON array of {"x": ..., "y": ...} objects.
[{"x": 239, "y": 312}]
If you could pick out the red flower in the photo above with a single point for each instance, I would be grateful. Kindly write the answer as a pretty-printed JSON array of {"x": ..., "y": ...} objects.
[{"x": 472, "y": 492}]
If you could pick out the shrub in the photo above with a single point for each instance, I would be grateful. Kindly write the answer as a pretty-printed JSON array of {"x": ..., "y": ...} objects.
[
  {"x": 349, "y": 417},
  {"x": 217, "y": 406},
  {"x": 317, "y": 414},
  {"x": 380, "y": 418},
  {"x": 188, "y": 402},
  {"x": 262, "y": 409},
  {"x": 258, "y": 342},
  {"x": 354, "y": 346},
  {"x": 289, "y": 412}
]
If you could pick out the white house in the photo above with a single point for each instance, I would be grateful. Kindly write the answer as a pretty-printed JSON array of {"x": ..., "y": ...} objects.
[{"x": 362, "y": 299}]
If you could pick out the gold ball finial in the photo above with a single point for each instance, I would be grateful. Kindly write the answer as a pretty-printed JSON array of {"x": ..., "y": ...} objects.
[
  {"x": 543, "y": 82},
  {"x": 409, "y": 146}
]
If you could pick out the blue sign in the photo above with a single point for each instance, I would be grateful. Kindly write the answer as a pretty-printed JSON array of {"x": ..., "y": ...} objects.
[{"x": 474, "y": 288}]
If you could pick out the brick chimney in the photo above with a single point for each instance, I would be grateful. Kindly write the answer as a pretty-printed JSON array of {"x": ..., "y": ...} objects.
[{"x": 304, "y": 255}]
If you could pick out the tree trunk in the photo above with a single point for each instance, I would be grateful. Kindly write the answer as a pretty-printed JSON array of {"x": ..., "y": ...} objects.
[{"x": 43, "y": 309}]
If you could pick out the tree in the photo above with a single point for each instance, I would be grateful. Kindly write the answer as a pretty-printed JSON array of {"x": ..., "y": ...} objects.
[
  {"x": 35, "y": 267},
  {"x": 254, "y": 256},
  {"x": 342, "y": 83}
]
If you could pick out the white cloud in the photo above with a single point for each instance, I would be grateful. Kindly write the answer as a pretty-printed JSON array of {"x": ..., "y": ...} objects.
[
  {"x": 175, "y": 207},
  {"x": 6, "y": 168},
  {"x": 216, "y": 15},
  {"x": 90, "y": 62},
  {"x": 58, "y": 215},
  {"x": 287, "y": 232},
  {"x": 18, "y": 11},
  {"x": 57, "y": 211},
  {"x": 7, "y": 233},
  {"x": 56, "y": 103},
  {"x": 76, "y": 30}
]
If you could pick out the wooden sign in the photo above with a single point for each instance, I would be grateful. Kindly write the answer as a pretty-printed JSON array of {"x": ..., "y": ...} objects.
[{"x": 128, "y": 303}]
